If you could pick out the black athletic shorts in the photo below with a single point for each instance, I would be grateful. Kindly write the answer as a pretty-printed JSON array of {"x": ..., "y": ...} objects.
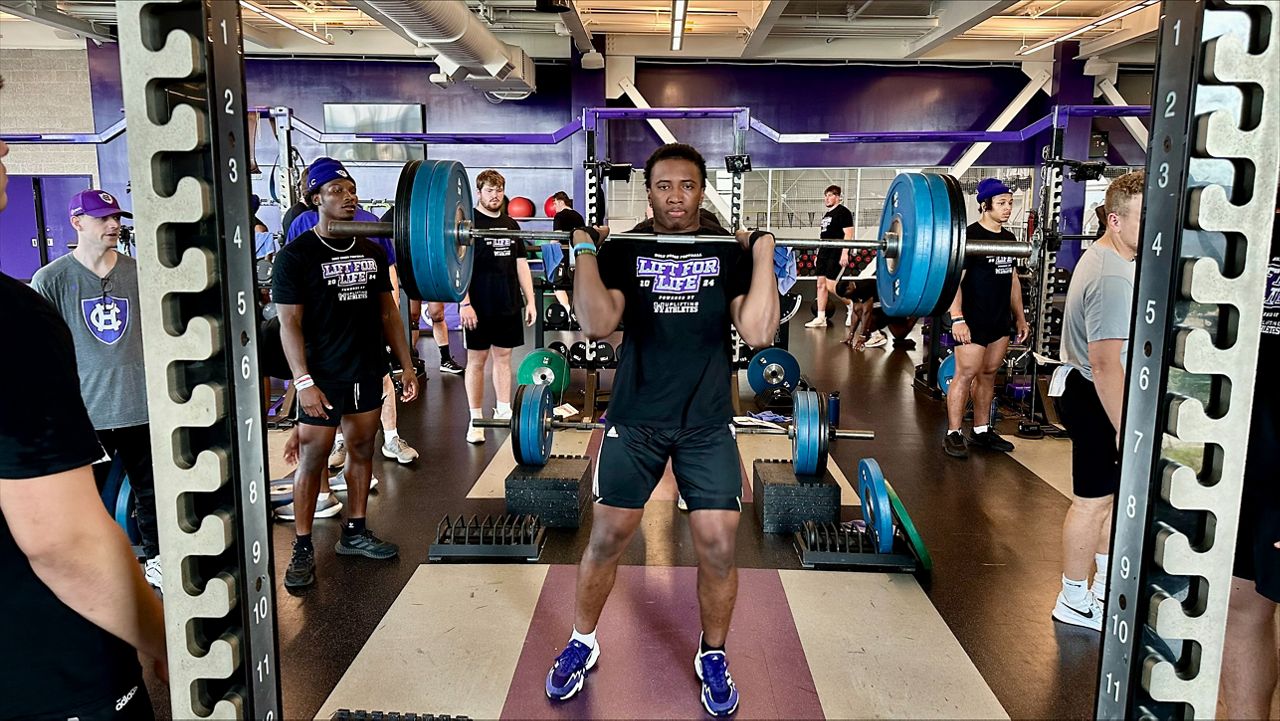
[
  {"x": 863, "y": 290},
  {"x": 503, "y": 331},
  {"x": 1095, "y": 461},
  {"x": 1257, "y": 558},
  {"x": 828, "y": 264},
  {"x": 134, "y": 704},
  {"x": 705, "y": 459},
  {"x": 346, "y": 399}
]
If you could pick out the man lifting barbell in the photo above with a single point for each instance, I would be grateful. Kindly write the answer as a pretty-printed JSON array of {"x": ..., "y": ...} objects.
[
  {"x": 336, "y": 317},
  {"x": 671, "y": 401},
  {"x": 980, "y": 319}
]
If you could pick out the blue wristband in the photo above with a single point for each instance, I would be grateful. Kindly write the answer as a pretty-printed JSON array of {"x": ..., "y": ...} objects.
[{"x": 581, "y": 248}]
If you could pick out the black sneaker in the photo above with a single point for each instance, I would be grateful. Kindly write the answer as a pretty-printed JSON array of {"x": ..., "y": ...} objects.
[
  {"x": 449, "y": 365},
  {"x": 302, "y": 568},
  {"x": 991, "y": 439},
  {"x": 366, "y": 544},
  {"x": 954, "y": 446}
]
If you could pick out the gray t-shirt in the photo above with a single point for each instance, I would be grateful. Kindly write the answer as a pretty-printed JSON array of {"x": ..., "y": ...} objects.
[
  {"x": 103, "y": 315},
  {"x": 1099, "y": 306}
]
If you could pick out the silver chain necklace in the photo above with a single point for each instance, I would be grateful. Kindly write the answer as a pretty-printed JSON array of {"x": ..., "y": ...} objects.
[{"x": 337, "y": 250}]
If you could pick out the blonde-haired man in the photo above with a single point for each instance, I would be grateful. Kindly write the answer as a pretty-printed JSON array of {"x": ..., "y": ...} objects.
[{"x": 1090, "y": 383}]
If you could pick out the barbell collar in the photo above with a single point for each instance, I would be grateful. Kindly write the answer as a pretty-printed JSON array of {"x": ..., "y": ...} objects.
[{"x": 367, "y": 229}]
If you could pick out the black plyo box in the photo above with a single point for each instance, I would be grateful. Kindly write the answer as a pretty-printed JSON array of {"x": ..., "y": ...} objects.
[
  {"x": 784, "y": 501},
  {"x": 557, "y": 493}
]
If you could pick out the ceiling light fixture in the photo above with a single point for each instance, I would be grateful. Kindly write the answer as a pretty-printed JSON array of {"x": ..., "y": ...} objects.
[
  {"x": 679, "y": 9},
  {"x": 284, "y": 23},
  {"x": 1091, "y": 26}
]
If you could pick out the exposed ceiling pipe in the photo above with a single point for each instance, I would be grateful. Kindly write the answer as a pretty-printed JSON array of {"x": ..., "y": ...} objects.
[{"x": 463, "y": 46}]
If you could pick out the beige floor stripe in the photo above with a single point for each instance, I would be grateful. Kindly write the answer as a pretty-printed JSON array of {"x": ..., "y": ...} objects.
[
  {"x": 492, "y": 482},
  {"x": 877, "y": 648},
  {"x": 1048, "y": 458},
  {"x": 418, "y": 660}
]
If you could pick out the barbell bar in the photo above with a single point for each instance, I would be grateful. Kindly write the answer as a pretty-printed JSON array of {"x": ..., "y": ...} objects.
[
  {"x": 922, "y": 244},
  {"x": 533, "y": 426}
]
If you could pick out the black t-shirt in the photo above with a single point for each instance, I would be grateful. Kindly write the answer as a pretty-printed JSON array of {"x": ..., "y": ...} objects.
[
  {"x": 834, "y": 222},
  {"x": 567, "y": 219},
  {"x": 495, "y": 287},
  {"x": 286, "y": 220},
  {"x": 1267, "y": 385},
  {"x": 57, "y": 660},
  {"x": 673, "y": 366},
  {"x": 341, "y": 291},
  {"x": 988, "y": 282}
]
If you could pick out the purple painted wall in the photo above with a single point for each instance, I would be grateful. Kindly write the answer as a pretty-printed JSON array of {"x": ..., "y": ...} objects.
[{"x": 814, "y": 99}]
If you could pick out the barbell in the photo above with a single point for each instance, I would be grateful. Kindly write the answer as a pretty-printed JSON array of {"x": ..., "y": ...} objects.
[
  {"x": 533, "y": 426},
  {"x": 921, "y": 245}
]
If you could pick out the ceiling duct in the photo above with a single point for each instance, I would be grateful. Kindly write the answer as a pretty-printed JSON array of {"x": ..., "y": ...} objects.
[{"x": 464, "y": 47}]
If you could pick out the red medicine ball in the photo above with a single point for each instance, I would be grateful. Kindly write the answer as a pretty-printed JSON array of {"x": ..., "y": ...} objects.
[
  {"x": 520, "y": 207},
  {"x": 549, "y": 207}
]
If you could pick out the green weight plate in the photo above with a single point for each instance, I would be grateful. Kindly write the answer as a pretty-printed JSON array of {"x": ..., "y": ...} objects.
[
  {"x": 531, "y": 425},
  {"x": 544, "y": 367},
  {"x": 441, "y": 203},
  {"x": 909, "y": 529},
  {"x": 901, "y": 281},
  {"x": 773, "y": 367},
  {"x": 946, "y": 371},
  {"x": 877, "y": 511},
  {"x": 403, "y": 234},
  {"x": 958, "y": 235}
]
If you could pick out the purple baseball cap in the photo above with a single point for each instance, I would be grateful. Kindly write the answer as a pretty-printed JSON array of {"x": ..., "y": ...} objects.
[{"x": 96, "y": 203}]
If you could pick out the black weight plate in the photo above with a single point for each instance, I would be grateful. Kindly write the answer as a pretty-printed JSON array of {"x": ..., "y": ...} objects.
[
  {"x": 958, "y": 242},
  {"x": 401, "y": 232},
  {"x": 557, "y": 317},
  {"x": 559, "y": 347},
  {"x": 578, "y": 355}
]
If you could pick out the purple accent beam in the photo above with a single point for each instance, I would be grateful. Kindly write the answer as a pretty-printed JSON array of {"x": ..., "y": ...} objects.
[
  {"x": 592, "y": 116},
  {"x": 551, "y": 138},
  {"x": 66, "y": 138}
]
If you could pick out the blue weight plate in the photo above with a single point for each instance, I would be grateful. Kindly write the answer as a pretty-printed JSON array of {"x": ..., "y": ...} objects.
[
  {"x": 901, "y": 282},
  {"x": 449, "y": 260},
  {"x": 877, "y": 511},
  {"x": 946, "y": 371},
  {"x": 940, "y": 239},
  {"x": 805, "y": 441},
  {"x": 418, "y": 258},
  {"x": 533, "y": 439},
  {"x": 773, "y": 367}
]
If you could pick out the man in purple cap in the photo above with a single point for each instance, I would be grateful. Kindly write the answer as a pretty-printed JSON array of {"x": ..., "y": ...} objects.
[
  {"x": 337, "y": 316},
  {"x": 989, "y": 300},
  {"x": 95, "y": 289}
]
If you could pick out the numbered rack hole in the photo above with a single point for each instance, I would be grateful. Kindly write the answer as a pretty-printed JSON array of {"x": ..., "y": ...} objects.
[
  {"x": 1124, "y": 602},
  {"x": 244, "y": 338},
  {"x": 1168, "y": 144},
  {"x": 1146, "y": 349}
]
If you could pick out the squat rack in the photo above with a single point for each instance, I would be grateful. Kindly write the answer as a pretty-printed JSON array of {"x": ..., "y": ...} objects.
[{"x": 184, "y": 87}]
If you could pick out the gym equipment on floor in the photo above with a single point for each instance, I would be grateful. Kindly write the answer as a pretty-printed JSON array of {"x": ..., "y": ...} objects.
[{"x": 515, "y": 538}]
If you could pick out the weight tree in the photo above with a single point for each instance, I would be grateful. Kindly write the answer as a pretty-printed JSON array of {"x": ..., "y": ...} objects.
[{"x": 182, "y": 62}]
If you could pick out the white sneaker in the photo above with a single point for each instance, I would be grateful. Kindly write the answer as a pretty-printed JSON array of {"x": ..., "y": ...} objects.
[
  {"x": 327, "y": 506},
  {"x": 877, "y": 339},
  {"x": 338, "y": 456},
  {"x": 681, "y": 504},
  {"x": 151, "y": 571},
  {"x": 338, "y": 483},
  {"x": 1089, "y": 617},
  {"x": 475, "y": 435},
  {"x": 818, "y": 322},
  {"x": 848, "y": 317},
  {"x": 502, "y": 415},
  {"x": 398, "y": 449}
]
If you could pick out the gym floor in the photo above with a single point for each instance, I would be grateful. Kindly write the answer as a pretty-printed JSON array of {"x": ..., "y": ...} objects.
[{"x": 978, "y": 642}]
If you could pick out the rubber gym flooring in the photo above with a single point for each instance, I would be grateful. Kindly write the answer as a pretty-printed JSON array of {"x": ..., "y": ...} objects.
[{"x": 478, "y": 639}]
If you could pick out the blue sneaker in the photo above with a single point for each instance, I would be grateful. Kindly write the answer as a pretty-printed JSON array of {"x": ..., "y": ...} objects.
[
  {"x": 719, "y": 695},
  {"x": 569, "y": 673}
]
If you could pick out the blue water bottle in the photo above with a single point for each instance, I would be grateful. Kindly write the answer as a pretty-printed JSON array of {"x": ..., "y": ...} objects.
[{"x": 833, "y": 409}]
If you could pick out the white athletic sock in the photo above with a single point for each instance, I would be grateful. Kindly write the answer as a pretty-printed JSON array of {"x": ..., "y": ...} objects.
[
  {"x": 338, "y": 437},
  {"x": 954, "y": 430},
  {"x": 1075, "y": 592},
  {"x": 477, "y": 413},
  {"x": 979, "y": 430},
  {"x": 391, "y": 434},
  {"x": 586, "y": 639},
  {"x": 1099, "y": 588},
  {"x": 504, "y": 407}
]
